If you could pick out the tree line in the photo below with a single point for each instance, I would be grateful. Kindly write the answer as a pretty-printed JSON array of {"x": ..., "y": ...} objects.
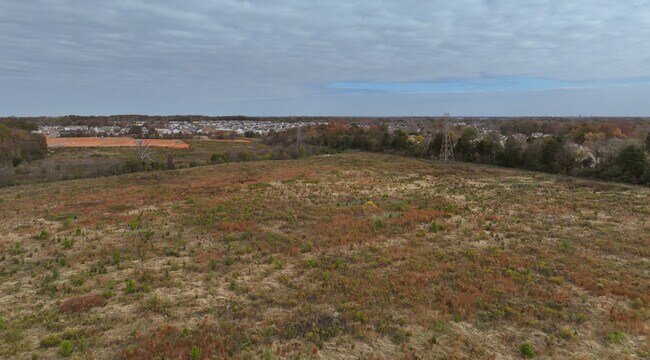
[
  {"x": 602, "y": 151},
  {"x": 18, "y": 144}
]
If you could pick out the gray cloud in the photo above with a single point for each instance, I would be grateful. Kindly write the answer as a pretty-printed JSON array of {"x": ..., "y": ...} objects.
[{"x": 277, "y": 56}]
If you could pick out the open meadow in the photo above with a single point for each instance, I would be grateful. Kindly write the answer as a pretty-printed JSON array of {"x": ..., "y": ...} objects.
[
  {"x": 78, "y": 158},
  {"x": 349, "y": 256}
]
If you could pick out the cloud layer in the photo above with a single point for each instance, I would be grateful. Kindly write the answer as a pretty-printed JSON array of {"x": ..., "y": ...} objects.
[{"x": 280, "y": 57}]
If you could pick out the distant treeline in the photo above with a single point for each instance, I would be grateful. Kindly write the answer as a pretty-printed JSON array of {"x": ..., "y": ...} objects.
[
  {"x": 613, "y": 150},
  {"x": 604, "y": 150},
  {"x": 524, "y": 125},
  {"x": 18, "y": 144}
]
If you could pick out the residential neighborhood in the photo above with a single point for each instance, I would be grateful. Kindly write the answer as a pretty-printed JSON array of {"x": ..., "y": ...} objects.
[{"x": 174, "y": 129}]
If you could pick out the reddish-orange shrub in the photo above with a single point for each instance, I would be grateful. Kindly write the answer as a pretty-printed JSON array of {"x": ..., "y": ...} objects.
[
  {"x": 343, "y": 229},
  {"x": 81, "y": 303},
  {"x": 627, "y": 319}
]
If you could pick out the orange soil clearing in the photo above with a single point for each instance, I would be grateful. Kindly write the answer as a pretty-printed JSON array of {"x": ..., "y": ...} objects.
[
  {"x": 113, "y": 142},
  {"x": 235, "y": 141}
]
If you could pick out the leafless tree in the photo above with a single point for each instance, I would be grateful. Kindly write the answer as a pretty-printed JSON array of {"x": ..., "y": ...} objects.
[
  {"x": 299, "y": 137},
  {"x": 145, "y": 152}
]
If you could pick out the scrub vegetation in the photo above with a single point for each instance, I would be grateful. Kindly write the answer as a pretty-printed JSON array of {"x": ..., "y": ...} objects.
[{"x": 352, "y": 255}]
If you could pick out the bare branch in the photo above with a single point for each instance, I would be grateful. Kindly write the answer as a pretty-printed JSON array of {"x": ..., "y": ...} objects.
[{"x": 144, "y": 151}]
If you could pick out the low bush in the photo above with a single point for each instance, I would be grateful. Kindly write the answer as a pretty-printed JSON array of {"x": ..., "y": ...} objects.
[
  {"x": 66, "y": 347},
  {"x": 51, "y": 340},
  {"x": 526, "y": 350},
  {"x": 81, "y": 303},
  {"x": 130, "y": 287},
  {"x": 195, "y": 353}
]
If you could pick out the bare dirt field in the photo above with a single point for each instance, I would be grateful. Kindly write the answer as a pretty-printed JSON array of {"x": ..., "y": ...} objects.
[{"x": 113, "y": 142}]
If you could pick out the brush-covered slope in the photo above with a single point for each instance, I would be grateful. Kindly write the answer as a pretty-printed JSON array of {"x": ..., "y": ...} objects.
[{"x": 357, "y": 255}]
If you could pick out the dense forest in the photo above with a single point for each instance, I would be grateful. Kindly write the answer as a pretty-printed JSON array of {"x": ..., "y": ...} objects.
[{"x": 606, "y": 150}]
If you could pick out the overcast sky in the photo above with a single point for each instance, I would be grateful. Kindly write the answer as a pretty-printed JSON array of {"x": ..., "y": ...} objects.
[{"x": 299, "y": 57}]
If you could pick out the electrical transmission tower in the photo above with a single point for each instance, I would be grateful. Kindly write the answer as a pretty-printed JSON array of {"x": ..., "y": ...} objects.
[{"x": 447, "y": 148}]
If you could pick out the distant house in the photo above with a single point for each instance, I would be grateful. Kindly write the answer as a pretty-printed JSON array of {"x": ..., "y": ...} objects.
[{"x": 538, "y": 135}]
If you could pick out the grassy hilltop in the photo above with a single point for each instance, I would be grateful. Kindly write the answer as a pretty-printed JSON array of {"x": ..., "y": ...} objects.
[{"x": 355, "y": 255}]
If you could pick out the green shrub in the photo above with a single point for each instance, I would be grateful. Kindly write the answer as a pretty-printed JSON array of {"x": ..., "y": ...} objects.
[
  {"x": 116, "y": 257},
  {"x": 172, "y": 252},
  {"x": 632, "y": 161},
  {"x": 67, "y": 243},
  {"x": 195, "y": 353},
  {"x": 565, "y": 245},
  {"x": 259, "y": 185},
  {"x": 360, "y": 316},
  {"x": 43, "y": 235},
  {"x": 400, "y": 336},
  {"x": 311, "y": 263},
  {"x": 130, "y": 287},
  {"x": 580, "y": 317},
  {"x": 218, "y": 158},
  {"x": 267, "y": 332},
  {"x": 72, "y": 334},
  {"x": 62, "y": 217},
  {"x": 616, "y": 337},
  {"x": 277, "y": 264},
  {"x": 147, "y": 234},
  {"x": 65, "y": 348},
  {"x": 305, "y": 247},
  {"x": 135, "y": 223},
  {"x": 17, "y": 248},
  {"x": 98, "y": 268},
  {"x": 51, "y": 340},
  {"x": 526, "y": 350},
  {"x": 567, "y": 333},
  {"x": 377, "y": 224},
  {"x": 108, "y": 294},
  {"x": 212, "y": 265},
  {"x": 435, "y": 227}
]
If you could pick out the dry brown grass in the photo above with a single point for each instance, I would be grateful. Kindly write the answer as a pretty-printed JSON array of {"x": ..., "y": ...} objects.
[{"x": 349, "y": 256}]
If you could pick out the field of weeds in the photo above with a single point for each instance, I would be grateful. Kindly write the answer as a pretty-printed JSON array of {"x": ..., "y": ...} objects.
[
  {"x": 69, "y": 163},
  {"x": 353, "y": 256}
]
